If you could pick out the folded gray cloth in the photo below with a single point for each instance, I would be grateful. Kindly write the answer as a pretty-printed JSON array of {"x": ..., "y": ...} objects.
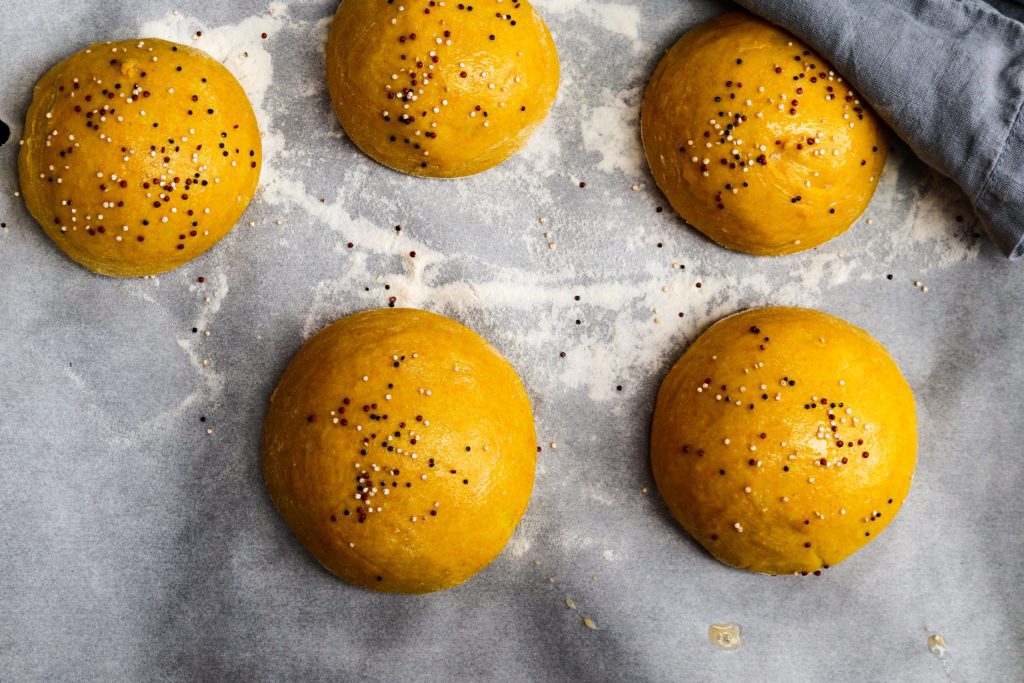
[{"x": 946, "y": 75}]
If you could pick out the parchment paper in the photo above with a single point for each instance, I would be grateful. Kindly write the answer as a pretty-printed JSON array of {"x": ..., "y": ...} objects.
[{"x": 136, "y": 545}]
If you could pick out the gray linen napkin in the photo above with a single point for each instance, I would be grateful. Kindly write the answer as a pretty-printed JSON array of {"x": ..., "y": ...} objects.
[{"x": 948, "y": 78}]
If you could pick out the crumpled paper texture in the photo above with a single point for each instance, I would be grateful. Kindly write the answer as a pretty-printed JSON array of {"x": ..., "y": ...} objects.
[{"x": 136, "y": 545}]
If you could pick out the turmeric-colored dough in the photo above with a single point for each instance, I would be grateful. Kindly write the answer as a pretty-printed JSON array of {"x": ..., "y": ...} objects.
[
  {"x": 400, "y": 449},
  {"x": 784, "y": 439},
  {"x": 755, "y": 141},
  {"x": 441, "y": 89},
  {"x": 138, "y": 155}
]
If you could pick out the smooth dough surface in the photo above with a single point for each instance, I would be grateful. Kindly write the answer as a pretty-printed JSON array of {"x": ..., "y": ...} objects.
[
  {"x": 400, "y": 449},
  {"x": 755, "y": 141},
  {"x": 138, "y": 155},
  {"x": 440, "y": 89},
  {"x": 784, "y": 439}
]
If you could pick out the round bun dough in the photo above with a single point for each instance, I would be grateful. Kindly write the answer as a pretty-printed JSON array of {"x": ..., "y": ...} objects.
[
  {"x": 784, "y": 439},
  {"x": 755, "y": 141},
  {"x": 440, "y": 89},
  {"x": 400, "y": 449},
  {"x": 138, "y": 155}
]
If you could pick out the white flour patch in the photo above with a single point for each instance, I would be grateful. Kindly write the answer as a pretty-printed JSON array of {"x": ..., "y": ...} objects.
[
  {"x": 615, "y": 18},
  {"x": 518, "y": 545},
  {"x": 929, "y": 210},
  {"x": 542, "y": 151},
  {"x": 212, "y": 295},
  {"x": 75, "y": 377},
  {"x": 612, "y": 129},
  {"x": 321, "y": 31}
]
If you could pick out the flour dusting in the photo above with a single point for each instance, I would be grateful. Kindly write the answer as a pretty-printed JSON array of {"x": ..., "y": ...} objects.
[
  {"x": 613, "y": 131},
  {"x": 613, "y": 17},
  {"x": 582, "y": 305}
]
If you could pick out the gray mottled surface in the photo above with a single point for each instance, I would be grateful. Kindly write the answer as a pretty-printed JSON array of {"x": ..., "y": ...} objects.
[{"x": 134, "y": 545}]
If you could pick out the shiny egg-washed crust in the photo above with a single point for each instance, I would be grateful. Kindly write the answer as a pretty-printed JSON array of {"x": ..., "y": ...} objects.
[
  {"x": 441, "y": 90},
  {"x": 755, "y": 141},
  {"x": 412, "y": 413},
  {"x": 784, "y": 439},
  {"x": 138, "y": 155}
]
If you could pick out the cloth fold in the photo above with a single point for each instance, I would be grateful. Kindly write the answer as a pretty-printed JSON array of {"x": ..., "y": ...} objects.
[{"x": 948, "y": 78}]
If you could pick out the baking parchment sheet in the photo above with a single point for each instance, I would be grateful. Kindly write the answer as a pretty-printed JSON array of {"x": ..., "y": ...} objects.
[{"x": 137, "y": 541}]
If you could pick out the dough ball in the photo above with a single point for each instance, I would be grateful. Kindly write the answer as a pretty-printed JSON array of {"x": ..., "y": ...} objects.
[
  {"x": 440, "y": 89},
  {"x": 755, "y": 141},
  {"x": 784, "y": 439},
  {"x": 399, "y": 447},
  {"x": 138, "y": 155}
]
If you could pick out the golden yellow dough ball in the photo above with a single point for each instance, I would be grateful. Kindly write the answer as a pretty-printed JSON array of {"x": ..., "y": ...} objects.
[
  {"x": 755, "y": 141},
  {"x": 400, "y": 449},
  {"x": 784, "y": 439},
  {"x": 441, "y": 89},
  {"x": 138, "y": 155}
]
